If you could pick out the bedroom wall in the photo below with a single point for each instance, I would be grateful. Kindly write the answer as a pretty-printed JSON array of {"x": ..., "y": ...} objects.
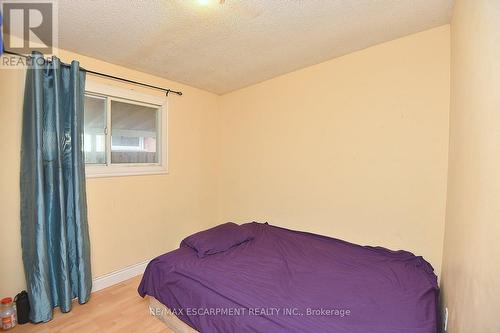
[
  {"x": 131, "y": 218},
  {"x": 470, "y": 281},
  {"x": 355, "y": 148}
]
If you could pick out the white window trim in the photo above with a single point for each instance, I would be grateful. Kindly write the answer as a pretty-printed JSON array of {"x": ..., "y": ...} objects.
[{"x": 130, "y": 169}]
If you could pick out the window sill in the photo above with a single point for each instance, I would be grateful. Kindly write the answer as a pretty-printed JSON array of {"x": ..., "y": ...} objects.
[{"x": 123, "y": 171}]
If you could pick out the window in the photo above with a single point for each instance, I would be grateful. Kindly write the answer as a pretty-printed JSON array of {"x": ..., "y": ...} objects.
[
  {"x": 94, "y": 142},
  {"x": 124, "y": 132},
  {"x": 133, "y": 133}
]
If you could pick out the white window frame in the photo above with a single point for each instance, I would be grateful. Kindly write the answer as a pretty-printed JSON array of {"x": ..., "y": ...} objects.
[{"x": 93, "y": 87}]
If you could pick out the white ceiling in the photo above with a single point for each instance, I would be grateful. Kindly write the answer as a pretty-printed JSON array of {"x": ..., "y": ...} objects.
[{"x": 221, "y": 48}]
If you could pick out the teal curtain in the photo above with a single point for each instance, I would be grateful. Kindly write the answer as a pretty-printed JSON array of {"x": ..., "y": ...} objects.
[{"x": 54, "y": 229}]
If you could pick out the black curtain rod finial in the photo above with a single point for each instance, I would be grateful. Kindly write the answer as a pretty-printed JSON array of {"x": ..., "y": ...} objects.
[{"x": 172, "y": 91}]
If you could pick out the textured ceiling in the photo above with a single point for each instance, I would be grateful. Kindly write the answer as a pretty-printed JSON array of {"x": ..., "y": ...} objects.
[{"x": 221, "y": 48}]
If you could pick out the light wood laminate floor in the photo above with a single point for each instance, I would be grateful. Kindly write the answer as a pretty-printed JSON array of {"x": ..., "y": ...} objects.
[{"x": 117, "y": 309}]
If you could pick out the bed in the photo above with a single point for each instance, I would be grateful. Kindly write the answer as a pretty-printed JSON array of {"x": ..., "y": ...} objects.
[{"x": 289, "y": 281}]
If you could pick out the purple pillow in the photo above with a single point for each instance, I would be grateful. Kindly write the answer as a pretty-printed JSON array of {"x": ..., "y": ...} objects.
[{"x": 217, "y": 239}]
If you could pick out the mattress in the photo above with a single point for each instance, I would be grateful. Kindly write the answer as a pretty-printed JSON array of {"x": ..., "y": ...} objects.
[{"x": 291, "y": 281}]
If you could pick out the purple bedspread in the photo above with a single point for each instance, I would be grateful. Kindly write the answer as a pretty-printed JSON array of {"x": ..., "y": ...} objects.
[{"x": 290, "y": 281}]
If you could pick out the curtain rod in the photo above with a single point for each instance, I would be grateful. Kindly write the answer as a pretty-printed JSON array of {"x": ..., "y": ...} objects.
[{"x": 166, "y": 90}]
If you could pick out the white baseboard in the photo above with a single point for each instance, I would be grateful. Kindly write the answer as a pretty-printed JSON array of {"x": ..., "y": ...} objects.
[{"x": 118, "y": 276}]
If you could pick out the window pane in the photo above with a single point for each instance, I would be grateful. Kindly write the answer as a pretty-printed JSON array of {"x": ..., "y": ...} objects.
[
  {"x": 94, "y": 142},
  {"x": 133, "y": 133}
]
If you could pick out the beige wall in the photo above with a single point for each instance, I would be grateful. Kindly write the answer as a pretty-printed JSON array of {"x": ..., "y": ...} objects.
[
  {"x": 471, "y": 271},
  {"x": 354, "y": 148},
  {"x": 131, "y": 218}
]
